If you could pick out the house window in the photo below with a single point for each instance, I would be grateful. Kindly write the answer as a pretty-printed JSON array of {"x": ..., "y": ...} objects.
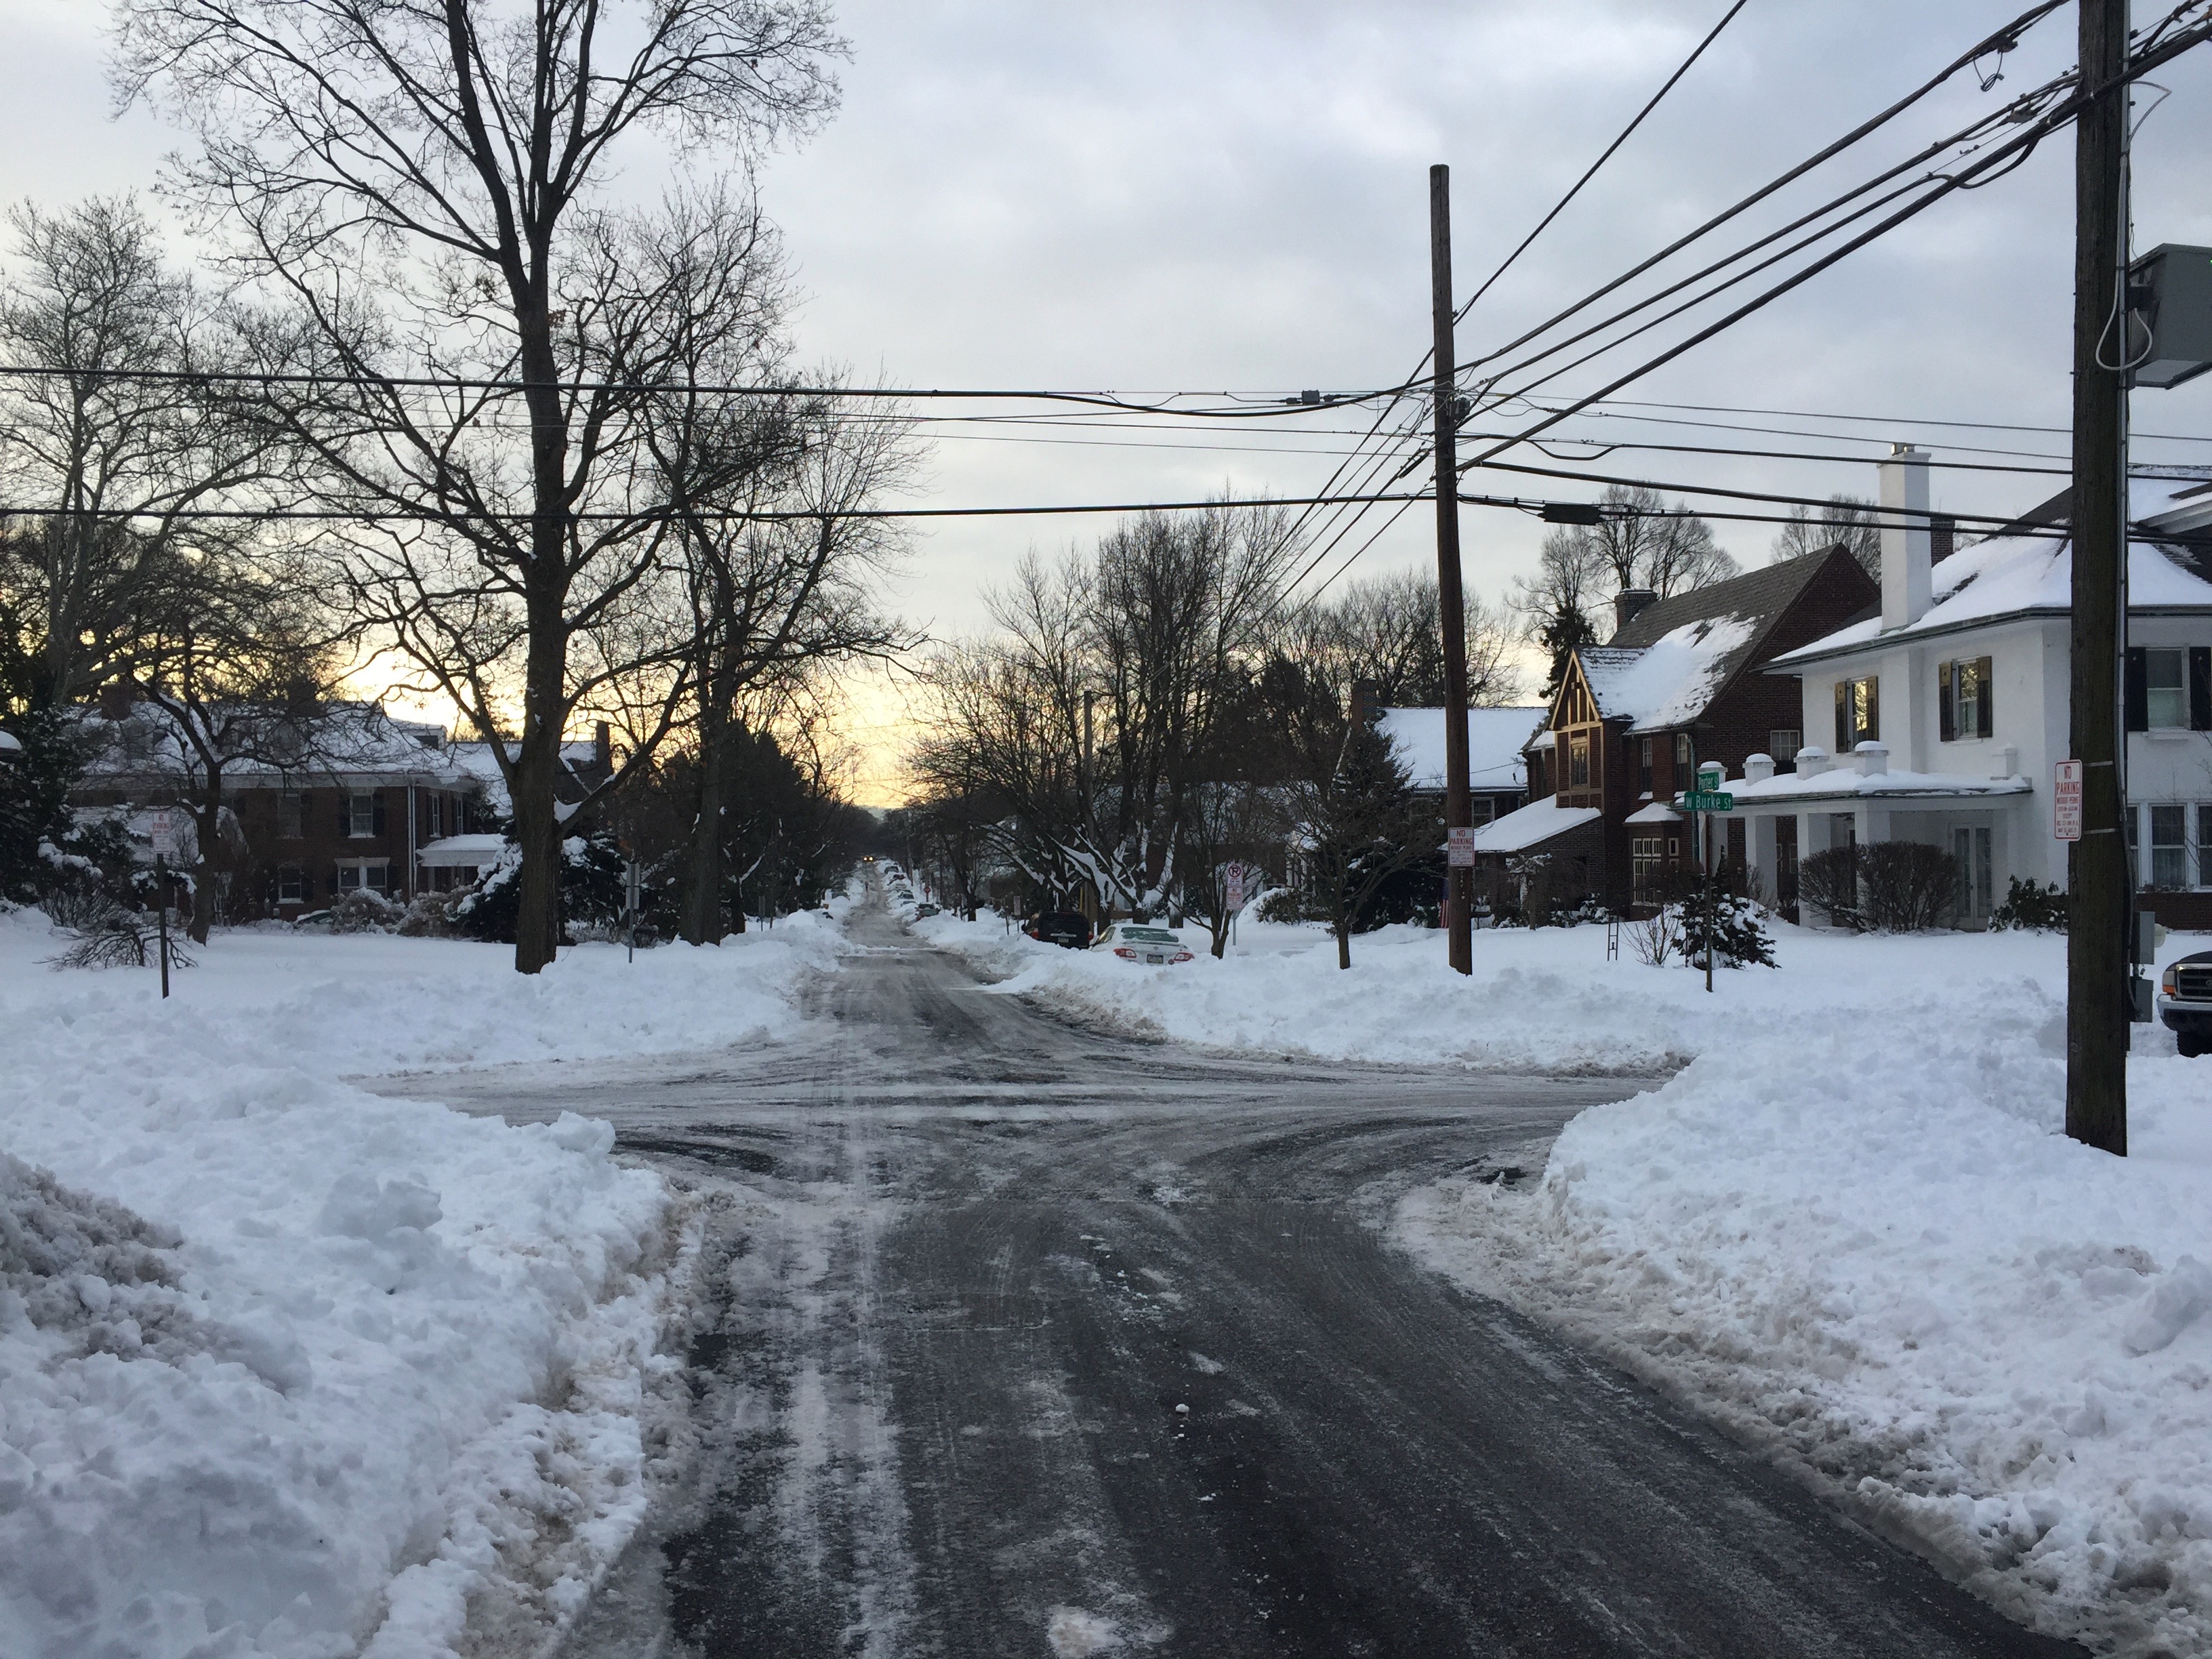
[
  {"x": 1645, "y": 868},
  {"x": 2204, "y": 843},
  {"x": 1782, "y": 745},
  {"x": 291, "y": 815},
  {"x": 1643, "y": 766},
  {"x": 1686, "y": 760},
  {"x": 1578, "y": 762},
  {"x": 291, "y": 884},
  {"x": 1858, "y": 713},
  {"x": 360, "y": 812},
  {"x": 2165, "y": 687},
  {"x": 2169, "y": 845},
  {"x": 374, "y": 874},
  {"x": 1962, "y": 698}
]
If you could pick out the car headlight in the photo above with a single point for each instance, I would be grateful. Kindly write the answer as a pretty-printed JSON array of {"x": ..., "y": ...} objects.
[{"x": 2165, "y": 980}]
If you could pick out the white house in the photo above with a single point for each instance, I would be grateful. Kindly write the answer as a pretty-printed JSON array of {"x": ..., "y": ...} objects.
[{"x": 1949, "y": 707}]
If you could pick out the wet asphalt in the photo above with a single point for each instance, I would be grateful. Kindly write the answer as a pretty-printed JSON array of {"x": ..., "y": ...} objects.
[{"x": 1021, "y": 1338}]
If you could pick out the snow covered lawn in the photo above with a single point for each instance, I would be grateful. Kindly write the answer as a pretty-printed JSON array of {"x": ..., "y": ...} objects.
[
  {"x": 1850, "y": 1227},
  {"x": 289, "y": 1368}
]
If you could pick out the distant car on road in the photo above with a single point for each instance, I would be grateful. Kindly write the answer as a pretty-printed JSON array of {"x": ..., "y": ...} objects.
[
  {"x": 2184, "y": 1002},
  {"x": 1067, "y": 929},
  {"x": 921, "y": 910},
  {"x": 1135, "y": 942}
]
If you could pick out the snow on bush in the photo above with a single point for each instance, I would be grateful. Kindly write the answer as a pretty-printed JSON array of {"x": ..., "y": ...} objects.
[{"x": 1864, "y": 1241}]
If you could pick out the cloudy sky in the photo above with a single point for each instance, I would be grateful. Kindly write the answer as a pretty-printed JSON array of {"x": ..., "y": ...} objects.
[{"x": 1231, "y": 196}]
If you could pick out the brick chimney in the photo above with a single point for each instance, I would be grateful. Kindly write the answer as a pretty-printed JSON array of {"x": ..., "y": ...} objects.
[
  {"x": 1907, "y": 587},
  {"x": 1628, "y": 604},
  {"x": 115, "y": 700},
  {"x": 1942, "y": 539},
  {"x": 1366, "y": 703},
  {"x": 603, "y": 746}
]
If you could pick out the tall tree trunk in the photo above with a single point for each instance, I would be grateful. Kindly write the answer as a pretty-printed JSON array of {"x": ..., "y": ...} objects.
[
  {"x": 208, "y": 821},
  {"x": 537, "y": 764},
  {"x": 1342, "y": 929},
  {"x": 703, "y": 919}
]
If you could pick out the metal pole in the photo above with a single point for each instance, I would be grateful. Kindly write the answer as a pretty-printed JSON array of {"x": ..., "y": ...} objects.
[
  {"x": 1705, "y": 850},
  {"x": 2098, "y": 993},
  {"x": 161, "y": 914},
  {"x": 1459, "y": 903}
]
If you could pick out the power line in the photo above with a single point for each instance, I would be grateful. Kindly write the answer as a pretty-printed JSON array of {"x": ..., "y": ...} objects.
[
  {"x": 1884, "y": 420},
  {"x": 1696, "y": 52}
]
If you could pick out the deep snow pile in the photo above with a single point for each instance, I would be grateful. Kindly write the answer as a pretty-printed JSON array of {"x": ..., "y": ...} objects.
[
  {"x": 1867, "y": 1243},
  {"x": 289, "y": 1368}
]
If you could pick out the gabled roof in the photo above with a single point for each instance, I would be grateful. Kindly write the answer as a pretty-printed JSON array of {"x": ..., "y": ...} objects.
[
  {"x": 1679, "y": 653},
  {"x": 339, "y": 739},
  {"x": 1495, "y": 738},
  {"x": 2013, "y": 575}
]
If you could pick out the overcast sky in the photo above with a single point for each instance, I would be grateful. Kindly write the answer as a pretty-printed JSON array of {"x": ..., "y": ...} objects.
[{"x": 1232, "y": 196}]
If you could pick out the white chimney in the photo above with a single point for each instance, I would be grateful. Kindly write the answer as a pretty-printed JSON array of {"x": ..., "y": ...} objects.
[
  {"x": 1873, "y": 758},
  {"x": 1906, "y": 590},
  {"x": 1758, "y": 768},
  {"x": 1812, "y": 761}
]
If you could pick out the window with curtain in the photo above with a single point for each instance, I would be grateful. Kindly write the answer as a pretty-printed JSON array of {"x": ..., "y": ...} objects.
[
  {"x": 2169, "y": 845},
  {"x": 1578, "y": 762},
  {"x": 1964, "y": 708},
  {"x": 1643, "y": 766},
  {"x": 2165, "y": 688}
]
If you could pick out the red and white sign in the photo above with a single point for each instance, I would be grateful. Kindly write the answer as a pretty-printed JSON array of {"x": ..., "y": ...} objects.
[
  {"x": 163, "y": 833},
  {"x": 1233, "y": 885},
  {"x": 2066, "y": 800},
  {"x": 1458, "y": 845}
]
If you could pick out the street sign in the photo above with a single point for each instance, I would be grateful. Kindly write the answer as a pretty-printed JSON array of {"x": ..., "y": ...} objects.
[
  {"x": 1458, "y": 845},
  {"x": 163, "y": 829},
  {"x": 2066, "y": 800},
  {"x": 1233, "y": 885},
  {"x": 1708, "y": 800}
]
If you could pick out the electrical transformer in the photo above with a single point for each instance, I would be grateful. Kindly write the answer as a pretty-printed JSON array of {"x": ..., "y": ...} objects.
[{"x": 2170, "y": 315}]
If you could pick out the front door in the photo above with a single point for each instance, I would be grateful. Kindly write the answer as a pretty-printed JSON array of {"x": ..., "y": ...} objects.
[{"x": 1971, "y": 846}]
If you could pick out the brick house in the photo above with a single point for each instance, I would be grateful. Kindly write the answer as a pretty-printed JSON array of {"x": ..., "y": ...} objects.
[
  {"x": 1681, "y": 681},
  {"x": 361, "y": 801}
]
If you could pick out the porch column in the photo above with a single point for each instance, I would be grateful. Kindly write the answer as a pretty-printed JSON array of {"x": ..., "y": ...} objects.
[{"x": 1760, "y": 852}]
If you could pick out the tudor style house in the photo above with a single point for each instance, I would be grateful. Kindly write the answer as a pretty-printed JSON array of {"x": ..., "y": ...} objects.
[
  {"x": 1942, "y": 712},
  {"x": 1682, "y": 680}
]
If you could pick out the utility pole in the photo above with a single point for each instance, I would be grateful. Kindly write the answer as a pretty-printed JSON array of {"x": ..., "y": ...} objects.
[
  {"x": 2098, "y": 991},
  {"x": 1459, "y": 901}
]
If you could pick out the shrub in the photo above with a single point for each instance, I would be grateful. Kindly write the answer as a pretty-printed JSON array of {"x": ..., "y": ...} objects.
[
  {"x": 430, "y": 915},
  {"x": 363, "y": 911},
  {"x": 1735, "y": 925},
  {"x": 117, "y": 938},
  {"x": 1658, "y": 938},
  {"x": 1885, "y": 887},
  {"x": 2036, "y": 909}
]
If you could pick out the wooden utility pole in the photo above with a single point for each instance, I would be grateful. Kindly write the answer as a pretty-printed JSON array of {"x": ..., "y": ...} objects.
[
  {"x": 2098, "y": 992},
  {"x": 1459, "y": 901}
]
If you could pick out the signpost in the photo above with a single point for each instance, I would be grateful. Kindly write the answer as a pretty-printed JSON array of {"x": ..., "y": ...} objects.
[
  {"x": 1232, "y": 892},
  {"x": 2066, "y": 800},
  {"x": 1707, "y": 797}
]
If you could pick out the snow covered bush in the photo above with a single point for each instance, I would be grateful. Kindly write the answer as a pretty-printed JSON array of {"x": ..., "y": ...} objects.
[
  {"x": 1735, "y": 926},
  {"x": 110, "y": 936},
  {"x": 2038, "y": 910},
  {"x": 362, "y": 911}
]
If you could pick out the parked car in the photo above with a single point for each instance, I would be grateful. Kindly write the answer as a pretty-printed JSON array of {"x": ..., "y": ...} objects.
[
  {"x": 1068, "y": 928},
  {"x": 921, "y": 910},
  {"x": 2184, "y": 1002},
  {"x": 1135, "y": 942}
]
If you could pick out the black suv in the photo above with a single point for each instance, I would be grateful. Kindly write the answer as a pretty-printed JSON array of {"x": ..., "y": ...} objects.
[
  {"x": 2184, "y": 1002},
  {"x": 1071, "y": 928}
]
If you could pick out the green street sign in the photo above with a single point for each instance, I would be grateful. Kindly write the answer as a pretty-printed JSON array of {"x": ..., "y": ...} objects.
[{"x": 1704, "y": 800}]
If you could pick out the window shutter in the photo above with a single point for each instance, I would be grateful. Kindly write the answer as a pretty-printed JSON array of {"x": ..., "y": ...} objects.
[
  {"x": 345, "y": 813},
  {"x": 376, "y": 803},
  {"x": 1946, "y": 715},
  {"x": 1985, "y": 689},
  {"x": 1873, "y": 684},
  {"x": 2200, "y": 687},
  {"x": 1843, "y": 717},
  {"x": 2138, "y": 691}
]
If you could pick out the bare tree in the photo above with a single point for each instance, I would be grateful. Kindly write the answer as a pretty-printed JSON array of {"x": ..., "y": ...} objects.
[
  {"x": 1388, "y": 631},
  {"x": 1848, "y": 519},
  {"x": 419, "y": 179},
  {"x": 1644, "y": 543},
  {"x": 94, "y": 441},
  {"x": 1557, "y": 606}
]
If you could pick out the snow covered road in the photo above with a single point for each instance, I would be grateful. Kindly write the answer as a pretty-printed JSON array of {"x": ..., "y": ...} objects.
[{"x": 1029, "y": 1340}]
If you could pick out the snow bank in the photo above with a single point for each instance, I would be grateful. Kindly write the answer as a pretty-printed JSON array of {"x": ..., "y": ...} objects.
[
  {"x": 1867, "y": 1244},
  {"x": 287, "y": 1368},
  {"x": 360, "y": 1003}
]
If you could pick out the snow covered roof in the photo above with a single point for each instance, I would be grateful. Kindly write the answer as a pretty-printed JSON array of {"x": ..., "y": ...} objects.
[
  {"x": 11, "y": 744},
  {"x": 1658, "y": 812},
  {"x": 1539, "y": 821},
  {"x": 1846, "y": 782},
  {"x": 1495, "y": 738},
  {"x": 1670, "y": 682},
  {"x": 2012, "y": 577},
  {"x": 342, "y": 740},
  {"x": 461, "y": 852}
]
